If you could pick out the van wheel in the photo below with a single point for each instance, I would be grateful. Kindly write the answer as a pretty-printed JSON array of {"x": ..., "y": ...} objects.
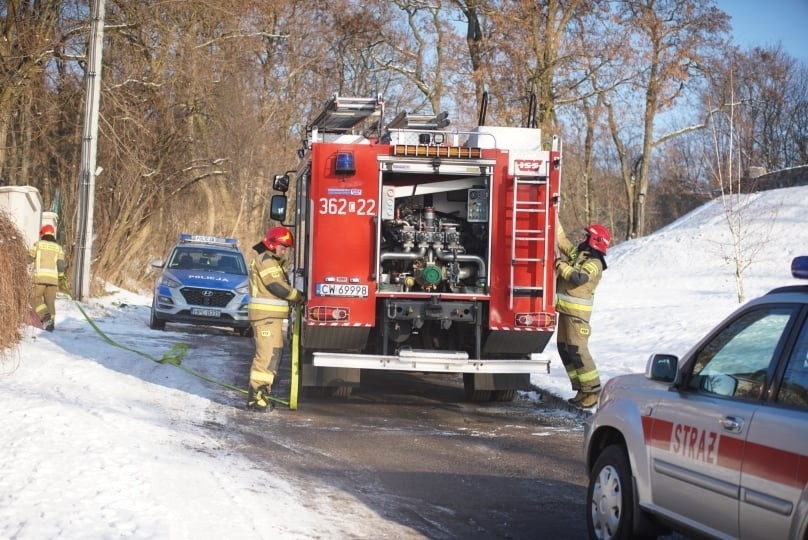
[{"x": 610, "y": 496}]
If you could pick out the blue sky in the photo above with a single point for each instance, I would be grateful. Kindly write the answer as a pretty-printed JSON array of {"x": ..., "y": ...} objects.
[{"x": 756, "y": 23}]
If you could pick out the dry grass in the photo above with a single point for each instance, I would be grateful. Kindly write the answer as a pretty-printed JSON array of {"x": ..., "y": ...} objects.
[{"x": 15, "y": 284}]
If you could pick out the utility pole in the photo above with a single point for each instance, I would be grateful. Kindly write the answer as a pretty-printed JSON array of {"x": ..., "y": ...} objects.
[{"x": 89, "y": 146}]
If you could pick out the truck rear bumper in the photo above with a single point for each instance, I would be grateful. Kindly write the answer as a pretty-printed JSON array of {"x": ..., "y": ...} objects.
[{"x": 433, "y": 361}]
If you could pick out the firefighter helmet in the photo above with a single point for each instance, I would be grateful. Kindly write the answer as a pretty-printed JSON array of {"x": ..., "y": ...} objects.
[
  {"x": 278, "y": 236},
  {"x": 598, "y": 237},
  {"x": 47, "y": 230}
]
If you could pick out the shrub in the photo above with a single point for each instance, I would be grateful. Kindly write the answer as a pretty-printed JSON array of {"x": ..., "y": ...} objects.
[{"x": 15, "y": 284}]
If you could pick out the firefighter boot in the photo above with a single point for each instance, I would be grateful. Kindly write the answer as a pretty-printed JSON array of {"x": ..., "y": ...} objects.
[
  {"x": 258, "y": 399},
  {"x": 576, "y": 399},
  {"x": 590, "y": 399}
]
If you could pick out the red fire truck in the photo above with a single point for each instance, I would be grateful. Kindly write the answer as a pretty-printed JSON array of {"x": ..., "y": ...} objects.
[{"x": 422, "y": 248}]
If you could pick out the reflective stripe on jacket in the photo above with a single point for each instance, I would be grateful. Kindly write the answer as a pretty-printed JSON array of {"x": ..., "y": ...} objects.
[
  {"x": 577, "y": 279},
  {"x": 49, "y": 260},
  {"x": 266, "y": 273},
  {"x": 573, "y": 298}
]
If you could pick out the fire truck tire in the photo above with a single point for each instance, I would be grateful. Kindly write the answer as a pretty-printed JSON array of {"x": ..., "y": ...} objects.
[
  {"x": 342, "y": 391},
  {"x": 472, "y": 392},
  {"x": 503, "y": 395},
  {"x": 478, "y": 396}
]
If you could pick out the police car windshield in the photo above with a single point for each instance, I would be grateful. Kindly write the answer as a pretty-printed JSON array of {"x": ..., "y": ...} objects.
[{"x": 205, "y": 259}]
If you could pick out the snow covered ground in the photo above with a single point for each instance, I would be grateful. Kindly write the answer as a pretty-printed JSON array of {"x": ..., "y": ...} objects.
[{"x": 102, "y": 442}]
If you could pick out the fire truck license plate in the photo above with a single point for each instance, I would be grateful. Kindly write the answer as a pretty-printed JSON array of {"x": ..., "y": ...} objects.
[
  {"x": 334, "y": 289},
  {"x": 198, "y": 312}
]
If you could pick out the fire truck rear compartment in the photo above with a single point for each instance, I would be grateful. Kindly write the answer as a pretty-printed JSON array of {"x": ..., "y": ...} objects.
[
  {"x": 450, "y": 241},
  {"x": 427, "y": 336}
]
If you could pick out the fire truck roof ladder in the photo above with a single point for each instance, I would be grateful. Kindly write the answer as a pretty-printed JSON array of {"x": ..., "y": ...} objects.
[
  {"x": 342, "y": 114},
  {"x": 432, "y": 122},
  {"x": 531, "y": 240}
]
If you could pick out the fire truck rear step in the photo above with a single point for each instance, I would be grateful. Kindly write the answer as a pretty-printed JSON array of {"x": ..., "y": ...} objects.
[{"x": 433, "y": 361}]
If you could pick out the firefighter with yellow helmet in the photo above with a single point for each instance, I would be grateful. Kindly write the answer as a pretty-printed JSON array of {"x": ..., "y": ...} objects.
[
  {"x": 578, "y": 271},
  {"x": 270, "y": 296},
  {"x": 48, "y": 273}
]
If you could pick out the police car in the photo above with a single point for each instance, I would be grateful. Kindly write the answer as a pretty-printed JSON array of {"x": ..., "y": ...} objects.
[
  {"x": 714, "y": 444},
  {"x": 204, "y": 281}
]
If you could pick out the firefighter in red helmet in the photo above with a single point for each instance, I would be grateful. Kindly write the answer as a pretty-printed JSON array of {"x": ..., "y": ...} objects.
[
  {"x": 48, "y": 273},
  {"x": 578, "y": 272},
  {"x": 270, "y": 296}
]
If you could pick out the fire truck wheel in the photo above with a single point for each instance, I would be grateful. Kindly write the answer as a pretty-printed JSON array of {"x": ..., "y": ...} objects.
[
  {"x": 472, "y": 393},
  {"x": 478, "y": 395},
  {"x": 503, "y": 395},
  {"x": 342, "y": 391}
]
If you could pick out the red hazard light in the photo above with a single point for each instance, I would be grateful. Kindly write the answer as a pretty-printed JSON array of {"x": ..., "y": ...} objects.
[
  {"x": 329, "y": 313},
  {"x": 535, "y": 320}
]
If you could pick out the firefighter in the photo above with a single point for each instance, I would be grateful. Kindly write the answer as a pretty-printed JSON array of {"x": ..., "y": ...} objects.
[
  {"x": 270, "y": 295},
  {"x": 48, "y": 274},
  {"x": 579, "y": 269}
]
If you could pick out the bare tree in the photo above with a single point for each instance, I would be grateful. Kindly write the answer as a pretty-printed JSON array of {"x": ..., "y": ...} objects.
[
  {"x": 770, "y": 95},
  {"x": 202, "y": 103},
  {"x": 746, "y": 239},
  {"x": 32, "y": 34},
  {"x": 670, "y": 39}
]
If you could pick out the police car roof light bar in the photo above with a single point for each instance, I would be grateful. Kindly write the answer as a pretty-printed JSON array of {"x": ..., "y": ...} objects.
[
  {"x": 200, "y": 239},
  {"x": 799, "y": 267}
]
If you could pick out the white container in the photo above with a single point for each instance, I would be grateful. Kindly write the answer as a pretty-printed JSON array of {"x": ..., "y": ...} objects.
[
  {"x": 25, "y": 206},
  {"x": 51, "y": 218}
]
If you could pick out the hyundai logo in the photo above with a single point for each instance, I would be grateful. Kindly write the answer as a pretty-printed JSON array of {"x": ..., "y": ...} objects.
[{"x": 207, "y": 293}]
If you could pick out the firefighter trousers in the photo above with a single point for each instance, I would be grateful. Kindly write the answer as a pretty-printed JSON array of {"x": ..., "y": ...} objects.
[
  {"x": 268, "y": 338},
  {"x": 572, "y": 340},
  {"x": 43, "y": 300}
]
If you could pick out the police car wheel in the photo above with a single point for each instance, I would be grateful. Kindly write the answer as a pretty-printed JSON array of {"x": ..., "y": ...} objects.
[
  {"x": 610, "y": 496},
  {"x": 155, "y": 323}
]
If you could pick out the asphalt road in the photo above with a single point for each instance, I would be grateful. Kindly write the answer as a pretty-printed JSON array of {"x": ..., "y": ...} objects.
[{"x": 426, "y": 462}]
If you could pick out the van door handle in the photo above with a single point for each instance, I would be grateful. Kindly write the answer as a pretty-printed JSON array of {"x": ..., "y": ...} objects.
[{"x": 732, "y": 423}]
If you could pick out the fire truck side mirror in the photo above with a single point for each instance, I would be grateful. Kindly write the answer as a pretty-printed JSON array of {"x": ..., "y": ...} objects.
[
  {"x": 281, "y": 183},
  {"x": 277, "y": 208}
]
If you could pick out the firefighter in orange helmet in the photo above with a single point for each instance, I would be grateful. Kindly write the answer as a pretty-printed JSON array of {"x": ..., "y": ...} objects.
[
  {"x": 578, "y": 272},
  {"x": 270, "y": 295},
  {"x": 48, "y": 273}
]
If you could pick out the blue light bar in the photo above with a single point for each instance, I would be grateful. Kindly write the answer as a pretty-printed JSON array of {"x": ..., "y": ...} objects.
[
  {"x": 345, "y": 163},
  {"x": 799, "y": 267},
  {"x": 200, "y": 239}
]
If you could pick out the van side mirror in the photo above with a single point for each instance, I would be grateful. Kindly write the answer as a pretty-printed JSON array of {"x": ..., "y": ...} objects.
[
  {"x": 277, "y": 208},
  {"x": 662, "y": 367}
]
